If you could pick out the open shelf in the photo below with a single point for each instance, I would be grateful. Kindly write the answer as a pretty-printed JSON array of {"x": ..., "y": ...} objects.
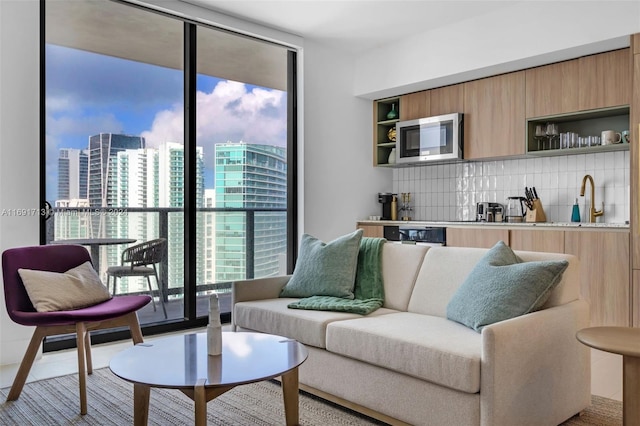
[{"x": 584, "y": 123}]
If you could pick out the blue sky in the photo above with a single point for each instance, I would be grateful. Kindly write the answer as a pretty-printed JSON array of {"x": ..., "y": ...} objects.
[{"x": 88, "y": 93}]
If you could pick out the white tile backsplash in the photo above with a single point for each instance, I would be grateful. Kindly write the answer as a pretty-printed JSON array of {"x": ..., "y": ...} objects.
[{"x": 451, "y": 191}]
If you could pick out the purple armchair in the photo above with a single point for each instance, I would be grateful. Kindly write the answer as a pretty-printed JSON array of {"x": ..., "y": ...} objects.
[{"x": 116, "y": 312}]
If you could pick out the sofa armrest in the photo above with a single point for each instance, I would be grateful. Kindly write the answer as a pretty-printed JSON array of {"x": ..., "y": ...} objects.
[
  {"x": 533, "y": 369},
  {"x": 257, "y": 289}
]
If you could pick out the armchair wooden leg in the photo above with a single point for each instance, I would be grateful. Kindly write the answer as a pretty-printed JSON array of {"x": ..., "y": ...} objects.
[
  {"x": 27, "y": 362},
  {"x": 87, "y": 351},
  {"x": 81, "y": 330},
  {"x": 134, "y": 328}
]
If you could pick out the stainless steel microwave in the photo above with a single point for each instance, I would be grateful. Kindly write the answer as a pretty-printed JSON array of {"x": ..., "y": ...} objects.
[{"x": 437, "y": 138}]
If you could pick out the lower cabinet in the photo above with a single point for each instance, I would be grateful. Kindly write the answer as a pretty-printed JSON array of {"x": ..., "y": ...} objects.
[
  {"x": 476, "y": 237},
  {"x": 605, "y": 274},
  {"x": 374, "y": 231},
  {"x": 534, "y": 240}
]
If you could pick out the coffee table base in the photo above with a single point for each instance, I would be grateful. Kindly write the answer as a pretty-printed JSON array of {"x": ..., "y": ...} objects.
[
  {"x": 630, "y": 390},
  {"x": 200, "y": 394}
]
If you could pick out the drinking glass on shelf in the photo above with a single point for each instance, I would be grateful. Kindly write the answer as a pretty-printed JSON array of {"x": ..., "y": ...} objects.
[
  {"x": 573, "y": 140},
  {"x": 583, "y": 141},
  {"x": 552, "y": 134},
  {"x": 564, "y": 140},
  {"x": 541, "y": 135}
]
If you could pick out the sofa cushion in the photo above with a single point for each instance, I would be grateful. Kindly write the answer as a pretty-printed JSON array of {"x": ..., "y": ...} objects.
[
  {"x": 306, "y": 326},
  {"x": 502, "y": 287},
  {"x": 325, "y": 269},
  {"x": 442, "y": 272},
  {"x": 423, "y": 346},
  {"x": 444, "y": 269},
  {"x": 400, "y": 266}
]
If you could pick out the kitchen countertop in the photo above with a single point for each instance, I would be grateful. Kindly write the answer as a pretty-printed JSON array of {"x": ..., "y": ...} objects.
[{"x": 572, "y": 225}]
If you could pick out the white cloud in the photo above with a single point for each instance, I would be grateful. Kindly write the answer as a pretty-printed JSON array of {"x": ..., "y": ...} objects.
[
  {"x": 229, "y": 112},
  {"x": 82, "y": 125}
]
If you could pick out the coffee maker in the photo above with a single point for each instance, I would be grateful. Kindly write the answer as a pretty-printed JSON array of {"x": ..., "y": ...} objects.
[{"x": 385, "y": 198}]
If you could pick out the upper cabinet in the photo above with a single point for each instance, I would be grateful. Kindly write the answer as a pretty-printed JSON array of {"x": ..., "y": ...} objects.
[
  {"x": 502, "y": 113},
  {"x": 494, "y": 116},
  {"x": 447, "y": 100},
  {"x": 552, "y": 89},
  {"x": 591, "y": 82},
  {"x": 415, "y": 105},
  {"x": 605, "y": 80}
]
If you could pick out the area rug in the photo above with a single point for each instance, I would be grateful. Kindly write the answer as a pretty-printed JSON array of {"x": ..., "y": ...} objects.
[{"x": 55, "y": 402}]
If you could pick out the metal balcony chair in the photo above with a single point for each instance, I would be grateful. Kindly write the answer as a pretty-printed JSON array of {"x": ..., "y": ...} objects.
[
  {"x": 116, "y": 312},
  {"x": 140, "y": 261}
]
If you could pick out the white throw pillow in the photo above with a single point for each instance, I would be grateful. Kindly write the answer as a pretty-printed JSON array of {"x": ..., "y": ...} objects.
[{"x": 77, "y": 288}]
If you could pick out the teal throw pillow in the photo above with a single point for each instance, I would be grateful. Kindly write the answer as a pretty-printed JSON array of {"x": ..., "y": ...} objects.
[
  {"x": 325, "y": 269},
  {"x": 501, "y": 286}
]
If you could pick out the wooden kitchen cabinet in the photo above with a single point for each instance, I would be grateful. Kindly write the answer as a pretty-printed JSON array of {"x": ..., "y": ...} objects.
[
  {"x": 415, "y": 105},
  {"x": 605, "y": 80},
  {"x": 374, "y": 231},
  {"x": 552, "y": 89},
  {"x": 494, "y": 122},
  {"x": 635, "y": 298},
  {"x": 535, "y": 240},
  {"x": 476, "y": 237},
  {"x": 447, "y": 100},
  {"x": 604, "y": 274}
]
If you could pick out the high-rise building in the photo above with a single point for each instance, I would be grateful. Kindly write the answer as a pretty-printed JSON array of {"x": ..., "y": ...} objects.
[
  {"x": 72, "y": 174},
  {"x": 103, "y": 149},
  {"x": 250, "y": 176},
  {"x": 172, "y": 191},
  {"x": 154, "y": 179},
  {"x": 208, "y": 221}
]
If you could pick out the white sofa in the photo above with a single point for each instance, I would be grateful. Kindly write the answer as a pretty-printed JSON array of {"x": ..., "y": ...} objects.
[{"x": 406, "y": 363}]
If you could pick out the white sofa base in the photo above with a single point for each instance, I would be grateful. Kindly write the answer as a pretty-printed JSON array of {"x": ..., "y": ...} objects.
[{"x": 406, "y": 399}]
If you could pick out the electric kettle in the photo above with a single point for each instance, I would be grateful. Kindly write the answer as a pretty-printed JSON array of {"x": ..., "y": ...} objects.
[{"x": 515, "y": 210}]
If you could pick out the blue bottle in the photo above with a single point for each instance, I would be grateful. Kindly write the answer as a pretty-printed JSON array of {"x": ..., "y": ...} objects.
[{"x": 575, "y": 213}]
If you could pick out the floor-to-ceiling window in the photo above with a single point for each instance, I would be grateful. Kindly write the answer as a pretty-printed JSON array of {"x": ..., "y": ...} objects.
[
  {"x": 242, "y": 132},
  {"x": 160, "y": 128}
]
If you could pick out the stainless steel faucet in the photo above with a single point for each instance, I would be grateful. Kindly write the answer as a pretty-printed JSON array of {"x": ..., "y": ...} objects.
[{"x": 593, "y": 213}]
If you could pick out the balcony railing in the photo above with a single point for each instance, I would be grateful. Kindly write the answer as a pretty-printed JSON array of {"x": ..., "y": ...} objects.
[{"x": 226, "y": 240}]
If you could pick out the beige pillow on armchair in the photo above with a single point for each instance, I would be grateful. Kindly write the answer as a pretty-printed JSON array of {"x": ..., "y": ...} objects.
[{"x": 76, "y": 288}]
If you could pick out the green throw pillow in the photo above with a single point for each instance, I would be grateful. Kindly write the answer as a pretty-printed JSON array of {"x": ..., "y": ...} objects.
[
  {"x": 325, "y": 269},
  {"x": 501, "y": 286}
]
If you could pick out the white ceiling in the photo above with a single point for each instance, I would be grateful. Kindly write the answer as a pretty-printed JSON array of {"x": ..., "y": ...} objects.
[{"x": 354, "y": 25}]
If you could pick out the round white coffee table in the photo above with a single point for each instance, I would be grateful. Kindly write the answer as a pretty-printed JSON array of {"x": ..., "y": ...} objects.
[{"x": 181, "y": 362}]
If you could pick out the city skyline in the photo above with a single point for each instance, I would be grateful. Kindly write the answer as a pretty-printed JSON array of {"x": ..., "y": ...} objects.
[
  {"x": 250, "y": 176},
  {"x": 88, "y": 94}
]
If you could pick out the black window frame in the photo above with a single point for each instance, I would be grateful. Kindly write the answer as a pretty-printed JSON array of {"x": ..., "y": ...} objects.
[{"x": 190, "y": 319}]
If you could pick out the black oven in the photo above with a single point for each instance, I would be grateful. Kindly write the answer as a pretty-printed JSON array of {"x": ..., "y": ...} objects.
[{"x": 432, "y": 235}]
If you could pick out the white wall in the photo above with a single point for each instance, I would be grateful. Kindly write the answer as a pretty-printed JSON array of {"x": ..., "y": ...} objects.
[
  {"x": 19, "y": 146},
  {"x": 340, "y": 182},
  {"x": 526, "y": 34}
]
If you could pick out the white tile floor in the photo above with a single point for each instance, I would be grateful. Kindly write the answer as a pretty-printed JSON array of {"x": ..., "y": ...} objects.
[{"x": 606, "y": 368}]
